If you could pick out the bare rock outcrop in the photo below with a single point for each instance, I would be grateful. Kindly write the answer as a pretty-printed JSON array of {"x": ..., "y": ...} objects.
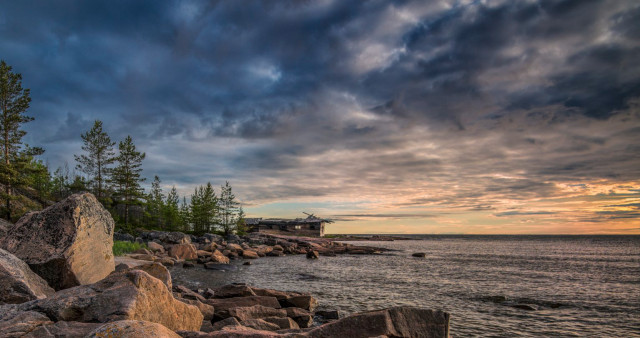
[
  {"x": 18, "y": 284},
  {"x": 132, "y": 328},
  {"x": 183, "y": 251},
  {"x": 126, "y": 295},
  {"x": 67, "y": 244},
  {"x": 393, "y": 322},
  {"x": 158, "y": 271}
]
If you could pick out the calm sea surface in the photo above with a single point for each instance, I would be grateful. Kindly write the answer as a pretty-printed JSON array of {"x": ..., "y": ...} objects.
[{"x": 578, "y": 285}]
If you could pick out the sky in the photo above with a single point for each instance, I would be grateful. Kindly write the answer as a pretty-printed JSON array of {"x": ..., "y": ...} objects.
[{"x": 438, "y": 117}]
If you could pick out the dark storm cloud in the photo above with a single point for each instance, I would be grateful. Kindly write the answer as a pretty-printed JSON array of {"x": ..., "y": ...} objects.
[{"x": 313, "y": 98}]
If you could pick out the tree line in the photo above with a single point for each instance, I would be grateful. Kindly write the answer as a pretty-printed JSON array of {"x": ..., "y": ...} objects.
[{"x": 113, "y": 174}]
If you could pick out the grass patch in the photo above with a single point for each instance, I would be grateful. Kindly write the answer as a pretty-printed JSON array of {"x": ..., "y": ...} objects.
[
  {"x": 123, "y": 247},
  {"x": 333, "y": 236}
]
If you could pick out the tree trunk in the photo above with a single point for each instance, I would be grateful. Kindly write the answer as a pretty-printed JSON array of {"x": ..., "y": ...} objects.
[{"x": 7, "y": 161}]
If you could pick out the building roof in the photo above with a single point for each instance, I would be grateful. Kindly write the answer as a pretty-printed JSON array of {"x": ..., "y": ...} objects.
[{"x": 252, "y": 221}]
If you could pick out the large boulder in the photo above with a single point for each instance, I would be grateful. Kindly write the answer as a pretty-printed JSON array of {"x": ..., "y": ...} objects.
[
  {"x": 206, "y": 309},
  {"x": 158, "y": 271},
  {"x": 218, "y": 257},
  {"x": 132, "y": 328},
  {"x": 183, "y": 251},
  {"x": 68, "y": 244},
  {"x": 18, "y": 283},
  {"x": 155, "y": 247},
  {"x": 249, "y": 254},
  {"x": 393, "y": 322},
  {"x": 134, "y": 295}
]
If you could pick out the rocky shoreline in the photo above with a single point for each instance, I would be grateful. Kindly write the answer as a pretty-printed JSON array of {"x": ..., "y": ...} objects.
[{"x": 58, "y": 280}]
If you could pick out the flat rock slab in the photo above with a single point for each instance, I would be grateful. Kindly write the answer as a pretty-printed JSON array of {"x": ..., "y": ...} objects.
[
  {"x": 393, "y": 322},
  {"x": 67, "y": 244}
]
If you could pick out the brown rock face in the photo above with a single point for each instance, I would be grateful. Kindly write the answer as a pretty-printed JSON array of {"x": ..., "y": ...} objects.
[
  {"x": 183, "y": 251},
  {"x": 18, "y": 284},
  {"x": 249, "y": 254},
  {"x": 67, "y": 244},
  {"x": 228, "y": 303},
  {"x": 17, "y": 323},
  {"x": 134, "y": 295},
  {"x": 218, "y": 257},
  {"x": 393, "y": 322},
  {"x": 132, "y": 328},
  {"x": 158, "y": 271},
  {"x": 259, "y": 324},
  {"x": 283, "y": 323},
  {"x": 231, "y": 321},
  {"x": 155, "y": 247},
  {"x": 256, "y": 312},
  {"x": 303, "y": 318},
  {"x": 304, "y": 302}
]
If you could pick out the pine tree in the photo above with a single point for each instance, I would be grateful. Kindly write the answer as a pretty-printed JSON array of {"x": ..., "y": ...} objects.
[
  {"x": 204, "y": 209},
  {"x": 155, "y": 204},
  {"x": 171, "y": 212},
  {"x": 241, "y": 223},
  {"x": 185, "y": 216},
  {"x": 14, "y": 102},
  {"x": 126, "y": 176},
  {"x": 100, "y": 156},
  {"x": 228, "y": 209}
]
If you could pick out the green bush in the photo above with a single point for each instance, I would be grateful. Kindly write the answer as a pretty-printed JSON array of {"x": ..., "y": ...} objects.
[{"x": 123, "y": 247}]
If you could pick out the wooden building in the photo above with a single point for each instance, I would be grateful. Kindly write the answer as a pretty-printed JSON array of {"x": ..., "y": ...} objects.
[{"x": 310, "y": 226}]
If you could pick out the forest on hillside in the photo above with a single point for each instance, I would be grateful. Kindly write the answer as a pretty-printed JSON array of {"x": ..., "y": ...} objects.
[{"x": 111, "y": 170}]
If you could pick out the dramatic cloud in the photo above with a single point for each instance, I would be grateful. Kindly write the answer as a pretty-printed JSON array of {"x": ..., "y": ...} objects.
[{"x": 408, "y": 116}]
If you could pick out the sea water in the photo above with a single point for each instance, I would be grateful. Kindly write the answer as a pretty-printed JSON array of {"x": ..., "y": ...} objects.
[{"x": 497, "y": 286}]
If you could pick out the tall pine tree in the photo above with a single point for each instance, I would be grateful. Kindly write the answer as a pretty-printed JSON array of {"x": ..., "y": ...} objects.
[
  {"x": 228, "y": 209},
  {"x": 98, "y": 160},
  {"x": 14, "y": 102},
  {"x": 155, "y": 204},
  {"x": 171, "y": 212},
  {"x": 204, "y": 209},
  {"x": 241, "y": 223},
  {"x": 185, "y": 216},
  {"x": 126, "y": 176}
]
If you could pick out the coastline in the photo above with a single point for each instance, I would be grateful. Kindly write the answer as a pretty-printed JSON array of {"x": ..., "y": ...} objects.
[{"x": 78, "y": 289}]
